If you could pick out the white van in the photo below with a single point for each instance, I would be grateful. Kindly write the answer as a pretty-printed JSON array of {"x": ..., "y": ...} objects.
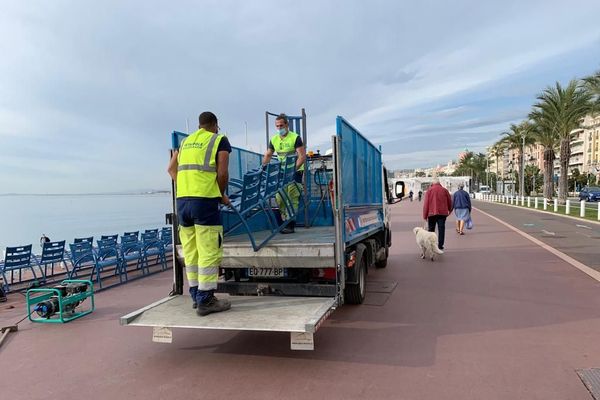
[{"x": 484, "y": 189}]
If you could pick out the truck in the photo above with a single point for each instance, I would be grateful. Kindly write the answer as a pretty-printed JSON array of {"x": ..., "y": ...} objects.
[{"x": 294, "y": 282}]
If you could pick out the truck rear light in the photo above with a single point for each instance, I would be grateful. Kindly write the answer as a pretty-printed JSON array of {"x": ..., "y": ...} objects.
[
  {"x": 324, "y": 273},
  {"x": 351, "y": 260}
]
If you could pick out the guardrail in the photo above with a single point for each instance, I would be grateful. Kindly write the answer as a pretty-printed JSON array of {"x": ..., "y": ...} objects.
[{"x": 581, "y": 209}]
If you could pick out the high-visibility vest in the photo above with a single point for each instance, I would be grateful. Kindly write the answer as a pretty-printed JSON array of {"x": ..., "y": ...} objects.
[
  {"x": 197, "y": 168},
  {"x": 285, "y": 146}
]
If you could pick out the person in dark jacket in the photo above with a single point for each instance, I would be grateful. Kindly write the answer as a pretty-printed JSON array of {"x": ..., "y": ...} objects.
[
  {"x": 462, "y": 208},
  {"x": 436, "y": 208}
]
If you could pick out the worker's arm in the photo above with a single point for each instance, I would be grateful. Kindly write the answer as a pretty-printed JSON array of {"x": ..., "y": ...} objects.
[
  {"x": 223, "y": 174},
  {"x": 301, "y": 152},
  {"x": 267, "y": 156},
  {"x": 172, "y": 169}
]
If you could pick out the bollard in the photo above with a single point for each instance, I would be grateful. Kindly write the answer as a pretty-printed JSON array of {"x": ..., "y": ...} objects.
[
  {"x": 528, "y": 202},
  {"x": 545, "y": 203},
  {"x": 522, "y": 200},
  {"x": 535, "y": 203},
  {"x": 511, "y": 200},
  {"x": 568, "y": 207},
  {"x": 555, "y": 205},
  {"x": 582, "y": 209}
]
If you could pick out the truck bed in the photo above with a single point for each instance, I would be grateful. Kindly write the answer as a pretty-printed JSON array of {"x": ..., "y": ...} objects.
[{"x": 306, "y": 248}]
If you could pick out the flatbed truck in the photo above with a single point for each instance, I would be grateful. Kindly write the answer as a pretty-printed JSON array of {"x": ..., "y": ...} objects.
[{"x": 295, "y": 281}]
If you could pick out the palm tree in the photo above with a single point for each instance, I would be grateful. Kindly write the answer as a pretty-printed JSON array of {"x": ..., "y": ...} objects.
[
  {"x": 544, "y": 134},
  {"x": 514, "y": 139},
  {"x": 592, "y": 85},
  {"x": 497, "y": 151},
  {"x": 563, "y": 110}
]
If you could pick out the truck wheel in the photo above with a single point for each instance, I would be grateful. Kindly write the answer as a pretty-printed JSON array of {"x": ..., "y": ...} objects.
[
  {"x": 355, "y": 293},
  {"x": 383, "y": 263}
]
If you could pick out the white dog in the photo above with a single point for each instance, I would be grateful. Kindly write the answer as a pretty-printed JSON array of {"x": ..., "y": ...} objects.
[{"x": 427, "y": 241}]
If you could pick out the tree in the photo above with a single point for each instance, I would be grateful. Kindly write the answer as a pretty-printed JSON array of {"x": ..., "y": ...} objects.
[
  {"x": 420, "y": 174},
  {"x": 497, "y": 151},
  {"x": 563, "y": 110},
  {"x": 514, "y": 138},
  {"x": 545, "y": 134},
  {"x": 592, "y": 86},
  {"x": 473, "y": 165}
]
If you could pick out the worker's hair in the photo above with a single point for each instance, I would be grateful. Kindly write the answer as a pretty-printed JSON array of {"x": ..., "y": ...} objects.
[
  {"x": 207, "y": 118},
  {"x": 282, "y": 117}
]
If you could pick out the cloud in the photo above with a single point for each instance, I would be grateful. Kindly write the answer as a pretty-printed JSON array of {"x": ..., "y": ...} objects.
[{"x": 102, "y": 84}]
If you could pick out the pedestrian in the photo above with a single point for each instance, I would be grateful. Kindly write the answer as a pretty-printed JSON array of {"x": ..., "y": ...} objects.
[
  {"x": 286, "y": 143},
  {"x": 410, "y": 195},
  {"x": 436, "y": 208},
  {"x": 201, "y": 169},
  {"x": 44, "y": 239},
  {"x": 462, "y": 208},
  {"x": 420, "y": 195}
]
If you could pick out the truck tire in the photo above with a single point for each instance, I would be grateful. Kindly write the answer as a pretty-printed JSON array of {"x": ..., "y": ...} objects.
[
  {"x": 383, "y": 263},
  {"x": 386, "y": 243},
  {"x": 355, "y": 293}
]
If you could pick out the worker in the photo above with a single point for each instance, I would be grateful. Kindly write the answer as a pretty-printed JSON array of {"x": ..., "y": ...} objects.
[
  {"x": 286, "y": 143},
  {"x": 201, "y": 170}
]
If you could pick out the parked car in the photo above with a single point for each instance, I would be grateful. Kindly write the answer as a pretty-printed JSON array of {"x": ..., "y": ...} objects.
[
  {"x": 590, "y": 193},
  {"x": 484, "y": 189}
]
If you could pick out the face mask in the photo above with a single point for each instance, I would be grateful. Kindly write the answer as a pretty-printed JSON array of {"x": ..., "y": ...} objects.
[{"x": 281, "y": 131}]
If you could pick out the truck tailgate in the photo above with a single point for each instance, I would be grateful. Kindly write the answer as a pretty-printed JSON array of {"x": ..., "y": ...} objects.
[{"x": 248, "y": 313}]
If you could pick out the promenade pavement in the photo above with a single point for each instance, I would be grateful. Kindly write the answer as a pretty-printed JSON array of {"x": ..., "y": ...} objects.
[{"x": 496, "y": 317}]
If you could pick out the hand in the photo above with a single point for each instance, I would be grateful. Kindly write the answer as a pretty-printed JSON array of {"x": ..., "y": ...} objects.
[{"x": 225, "y": 200}]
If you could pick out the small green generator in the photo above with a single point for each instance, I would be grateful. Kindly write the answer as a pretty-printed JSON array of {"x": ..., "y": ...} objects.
[{"x": 60, "y": 303}]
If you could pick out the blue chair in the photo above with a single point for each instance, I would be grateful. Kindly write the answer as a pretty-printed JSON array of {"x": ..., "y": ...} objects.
[
  {"x": 114, "y": 238},
  {"x": 82, "y": 257},
  {"x": 246, "y": 203},
  {"x": 153, "y": 232},
  {"x": 90, "y": 240},
  {"x": 166, "y": 237},
  {"x": 107, "y": 257},
  {"x": 131, "y": 250},
  {"x": 52, "y": 253},
  {"x": 152, "y": 246},
  {"x": 269, "y": 188},
  {"x": 135, "y": 234},
  {"x": 16, "y": 259}
]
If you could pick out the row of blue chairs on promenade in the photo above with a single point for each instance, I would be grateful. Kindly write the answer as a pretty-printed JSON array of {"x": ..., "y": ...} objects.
[
  {"x": 110, "y": 253},
  {"x": 255, "y": 193}
]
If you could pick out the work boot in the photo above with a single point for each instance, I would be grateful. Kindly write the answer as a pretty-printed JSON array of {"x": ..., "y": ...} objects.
[
  {"x": 290, "y": 228},
  {"x": 214, "y": 305},
  {"x": 194, "y": 293}
]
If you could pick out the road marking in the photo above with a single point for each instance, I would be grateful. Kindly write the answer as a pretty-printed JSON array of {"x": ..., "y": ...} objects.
[
  {"x": 583, "y": 226},
  {"x": 579, "y": 265},
  {"x": 528, "y": 224},
  {"x": 545, "y": 232}
]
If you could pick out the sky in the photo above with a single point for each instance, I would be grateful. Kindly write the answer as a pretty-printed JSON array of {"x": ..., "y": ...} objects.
[{"x": 90, "y": 91}]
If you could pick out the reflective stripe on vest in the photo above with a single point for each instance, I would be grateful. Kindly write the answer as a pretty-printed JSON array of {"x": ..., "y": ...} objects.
[
  {"x": 197, "y": 169},
  {"x": 285, "y": 146}
]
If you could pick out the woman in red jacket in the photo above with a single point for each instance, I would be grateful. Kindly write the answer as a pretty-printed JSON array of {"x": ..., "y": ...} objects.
[{"x": 437, "y": 207}]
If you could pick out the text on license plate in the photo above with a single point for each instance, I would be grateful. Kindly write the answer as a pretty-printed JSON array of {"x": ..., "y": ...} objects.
[{"x": 267, "y": 272}]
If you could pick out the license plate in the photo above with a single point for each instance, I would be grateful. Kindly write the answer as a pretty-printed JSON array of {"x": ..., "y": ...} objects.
[{"x": 255, "y": 272}]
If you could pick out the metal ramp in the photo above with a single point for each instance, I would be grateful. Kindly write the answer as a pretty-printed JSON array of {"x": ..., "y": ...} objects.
[{"x": 301, "y": 316}]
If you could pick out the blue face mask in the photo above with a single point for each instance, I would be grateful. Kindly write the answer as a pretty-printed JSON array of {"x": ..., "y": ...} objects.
[{"x": 281, "y": 132}]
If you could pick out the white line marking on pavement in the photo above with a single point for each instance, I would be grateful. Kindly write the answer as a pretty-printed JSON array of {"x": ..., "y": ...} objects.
[
  {"x": 583, "y": 226},
  {"x": 580, "y": 266},
  {"x": 545, "y": 232}
]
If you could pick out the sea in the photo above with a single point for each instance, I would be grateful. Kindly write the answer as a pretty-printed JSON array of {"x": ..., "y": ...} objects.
[{"x": 24, "y": 218}]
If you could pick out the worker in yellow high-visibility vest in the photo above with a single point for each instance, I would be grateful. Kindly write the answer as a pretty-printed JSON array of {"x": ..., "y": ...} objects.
[
  {"x": 201, "y": 170},
  {"x": 286, "y": 143}
]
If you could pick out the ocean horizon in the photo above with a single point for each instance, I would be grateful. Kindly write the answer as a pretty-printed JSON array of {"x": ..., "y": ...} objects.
[{"x": 25, "y": 217}]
